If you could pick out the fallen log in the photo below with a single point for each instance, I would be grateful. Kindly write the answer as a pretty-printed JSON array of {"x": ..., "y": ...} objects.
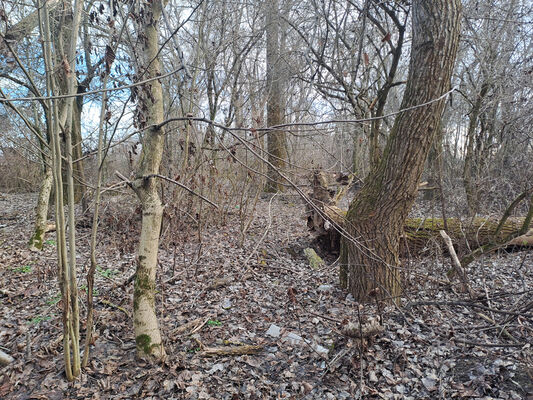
[{"x": 421, "y": 235}]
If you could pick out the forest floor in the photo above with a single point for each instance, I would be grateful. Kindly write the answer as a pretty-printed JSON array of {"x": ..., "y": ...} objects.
[{"x": 441, "y": 344}]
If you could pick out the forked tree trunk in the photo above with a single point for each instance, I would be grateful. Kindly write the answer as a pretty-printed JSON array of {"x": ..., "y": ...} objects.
[
  {"x": 63, "y": 19},
  {"x": 370, "y": 263},
  {"x": 147, "y": 333},
  {"x": 66, "y": 254}
]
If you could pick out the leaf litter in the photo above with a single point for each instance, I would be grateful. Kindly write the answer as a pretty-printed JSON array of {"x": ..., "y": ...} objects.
[{"x": 216, "y": 294}]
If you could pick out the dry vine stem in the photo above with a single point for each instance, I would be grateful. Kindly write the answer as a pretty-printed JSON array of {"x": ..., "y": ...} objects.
[
  {"x": 455, "y": 262},
  {"x": 231, "y": 350}
]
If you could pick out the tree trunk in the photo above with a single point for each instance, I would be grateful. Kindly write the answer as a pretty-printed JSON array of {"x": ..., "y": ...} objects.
[
  {"x": 370, "y": 259},
  {"x": 471, "y": 167},
  {"x": 66, "y": 254},
  {"x": 41, "y": 211},
  {"x": 147, "y": 333},
  {"x": 276, "y": 139},
  {"x": 70, "y": 109},
  {"x": 77, "y": 154}
]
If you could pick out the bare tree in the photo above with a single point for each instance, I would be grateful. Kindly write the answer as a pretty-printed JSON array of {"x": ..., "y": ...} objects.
[
  {"x": 150, "y": 110},
  {"x": 370, "y": 263},
  {"x": 61, "y": 120},
  {"x": 353, "y": 58},
  {"x": 276, "y": 138},
  {"x": 491, "y": 74}
]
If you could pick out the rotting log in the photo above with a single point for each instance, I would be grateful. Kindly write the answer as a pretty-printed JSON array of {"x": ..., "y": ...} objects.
[
  {"x": 420, "y": 236},
  {"x": 467, "y": 234}
]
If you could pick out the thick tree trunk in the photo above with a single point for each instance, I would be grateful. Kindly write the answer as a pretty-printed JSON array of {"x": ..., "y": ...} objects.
[
  {"x": 147, "y": 333},
  {"x": 370, "y": 258},
  {"x": 276, "y": 139}
]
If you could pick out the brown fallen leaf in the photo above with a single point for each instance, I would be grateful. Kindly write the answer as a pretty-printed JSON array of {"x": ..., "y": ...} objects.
[
  {"x": 230, "y": 350},
  {"x": 5, "y": 389}
]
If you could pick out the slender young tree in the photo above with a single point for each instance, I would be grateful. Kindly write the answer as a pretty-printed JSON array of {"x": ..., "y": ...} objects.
[
  {"x": 60, "y": 123},
  {"x": 145, "y": 185},
  {"x": 61, "y": 33},
  {"x": 370, "y": 263}
]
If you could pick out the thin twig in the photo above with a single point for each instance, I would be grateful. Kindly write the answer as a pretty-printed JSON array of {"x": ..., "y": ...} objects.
[{"x": 181, "y": 185}]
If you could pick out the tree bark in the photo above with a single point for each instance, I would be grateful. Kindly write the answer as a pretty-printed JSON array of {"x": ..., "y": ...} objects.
[
  {"x": 370, "y": 264},
  {"x": 147, "y": 333},
  {"x": 471, "y": 167},
  {"x": 77, "y": 153},
  {"x": 276, "y": 139},
  {"x": 41, "y": 211},
  {"x": 71, "y": 109}
]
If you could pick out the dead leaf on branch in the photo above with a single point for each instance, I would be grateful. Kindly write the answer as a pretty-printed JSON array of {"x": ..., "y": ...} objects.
[
  {"x": 66, "y": 66},
  {"x": 109, "y": 58}
]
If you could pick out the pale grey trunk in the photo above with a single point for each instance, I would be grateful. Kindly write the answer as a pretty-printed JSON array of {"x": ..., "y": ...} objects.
[
  {"x": 41, "y": 211},
  {"x": 147, "y": 333}
]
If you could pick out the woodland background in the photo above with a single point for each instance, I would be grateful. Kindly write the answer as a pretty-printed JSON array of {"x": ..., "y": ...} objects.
[{"x": 204, "y": 151}]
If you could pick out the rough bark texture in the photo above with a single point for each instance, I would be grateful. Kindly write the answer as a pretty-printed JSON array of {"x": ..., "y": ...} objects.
[
  {"x": 147, "y": 333},
  {"x": 277, "y": 142},
  {"x": 370, "y": 263}
]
